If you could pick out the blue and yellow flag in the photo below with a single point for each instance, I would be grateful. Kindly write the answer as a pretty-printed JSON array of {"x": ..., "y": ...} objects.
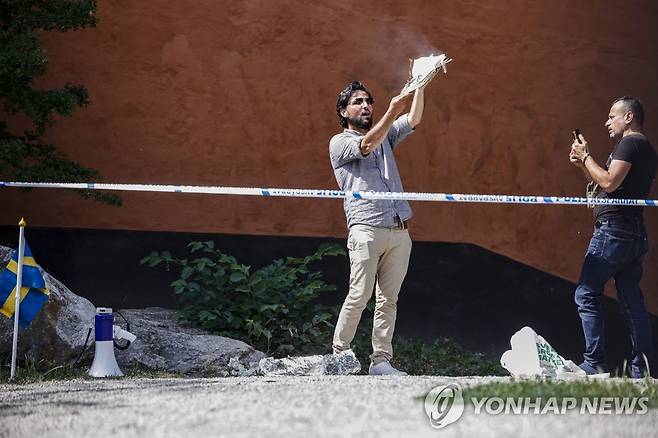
[{"x": 34, "y": 292}]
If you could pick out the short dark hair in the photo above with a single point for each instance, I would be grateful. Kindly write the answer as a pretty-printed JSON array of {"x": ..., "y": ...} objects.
[
  {"x": 344, "y": 97},
  {"x": 633, "y": 105}
]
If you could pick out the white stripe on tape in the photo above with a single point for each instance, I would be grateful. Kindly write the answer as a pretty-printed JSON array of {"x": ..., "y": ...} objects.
[{"x": 322, "y": 193}]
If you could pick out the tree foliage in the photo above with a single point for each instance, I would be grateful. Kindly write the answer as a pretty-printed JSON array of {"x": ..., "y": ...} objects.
[{"x": 24, "y": 156}]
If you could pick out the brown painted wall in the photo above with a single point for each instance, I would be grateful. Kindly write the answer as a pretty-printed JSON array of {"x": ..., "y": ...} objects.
[{"x": 243, "y": 93}]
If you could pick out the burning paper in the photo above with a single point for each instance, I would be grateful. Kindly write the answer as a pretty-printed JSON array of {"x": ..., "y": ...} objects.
[{"x": 423, "y": 70}]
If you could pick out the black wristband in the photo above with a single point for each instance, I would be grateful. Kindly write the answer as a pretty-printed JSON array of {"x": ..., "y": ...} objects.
[{"x": 586, "y": 157}]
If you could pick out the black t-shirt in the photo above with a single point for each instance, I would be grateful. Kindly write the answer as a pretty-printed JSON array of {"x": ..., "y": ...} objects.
[{"x": 637, "y": 150}]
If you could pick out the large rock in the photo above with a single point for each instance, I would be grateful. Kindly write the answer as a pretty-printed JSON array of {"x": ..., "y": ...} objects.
[
  {"x": 165, "y": 343},
  {"x": 336, "y": 364},
  {"x": 57, "y": 335},
  {"x": 58, "y": 332}
]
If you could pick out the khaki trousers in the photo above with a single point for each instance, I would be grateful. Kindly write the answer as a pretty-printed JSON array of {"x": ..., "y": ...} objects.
[{"x": 379, "y": 258}]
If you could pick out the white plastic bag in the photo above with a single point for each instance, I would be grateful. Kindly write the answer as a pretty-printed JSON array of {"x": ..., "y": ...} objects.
[{"x": 532, "y": 356}]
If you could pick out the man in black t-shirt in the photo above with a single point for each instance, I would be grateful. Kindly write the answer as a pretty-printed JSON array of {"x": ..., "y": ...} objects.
[{"x": 619, "y": 242}]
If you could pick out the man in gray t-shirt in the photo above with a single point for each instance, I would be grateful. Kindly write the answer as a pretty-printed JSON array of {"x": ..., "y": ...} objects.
[{"x": 379, "y": 244}]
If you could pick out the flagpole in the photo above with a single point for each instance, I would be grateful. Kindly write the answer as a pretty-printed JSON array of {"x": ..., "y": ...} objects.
[{"x": 19, "y": 283}]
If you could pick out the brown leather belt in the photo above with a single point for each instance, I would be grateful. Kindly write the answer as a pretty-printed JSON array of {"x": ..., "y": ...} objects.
[{"x": 400, "y": 224}]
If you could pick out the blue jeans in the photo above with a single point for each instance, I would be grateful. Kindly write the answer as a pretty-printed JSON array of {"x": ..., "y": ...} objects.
[{"x": 616, "y": 250}]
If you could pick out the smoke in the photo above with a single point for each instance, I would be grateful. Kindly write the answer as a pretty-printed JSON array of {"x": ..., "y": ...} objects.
[{"x": 398, "y": 46}]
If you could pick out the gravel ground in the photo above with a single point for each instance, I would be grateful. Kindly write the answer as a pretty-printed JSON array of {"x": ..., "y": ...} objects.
[{"x": 327, "y": 406}]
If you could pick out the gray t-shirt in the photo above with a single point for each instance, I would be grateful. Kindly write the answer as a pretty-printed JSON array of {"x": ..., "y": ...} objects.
[{"x": 375, "y": 172}]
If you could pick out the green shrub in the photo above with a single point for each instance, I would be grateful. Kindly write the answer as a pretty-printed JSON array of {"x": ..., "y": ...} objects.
[
  {"x": 274, "y": 308},
  {"x": 443, "y": 357}
]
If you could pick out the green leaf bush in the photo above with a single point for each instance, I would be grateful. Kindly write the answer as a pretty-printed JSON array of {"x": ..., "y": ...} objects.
[{"x": 274, "y": 308}]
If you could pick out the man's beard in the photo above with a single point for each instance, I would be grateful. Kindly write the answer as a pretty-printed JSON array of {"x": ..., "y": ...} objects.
[{"x": 360, "y": 122}]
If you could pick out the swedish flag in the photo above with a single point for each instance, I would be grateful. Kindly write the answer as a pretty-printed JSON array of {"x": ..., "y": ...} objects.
[{"x": 34, "y": 292}]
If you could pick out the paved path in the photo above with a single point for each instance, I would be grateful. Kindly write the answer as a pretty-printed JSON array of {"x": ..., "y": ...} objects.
[{"x": 308, "y": 407}]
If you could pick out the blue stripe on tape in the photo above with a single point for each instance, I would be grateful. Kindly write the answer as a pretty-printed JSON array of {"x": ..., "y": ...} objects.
[{"x": 219, "y": 190}]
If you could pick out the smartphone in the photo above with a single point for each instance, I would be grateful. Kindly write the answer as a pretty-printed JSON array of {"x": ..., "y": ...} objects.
[{"x": 576, "y": 135}]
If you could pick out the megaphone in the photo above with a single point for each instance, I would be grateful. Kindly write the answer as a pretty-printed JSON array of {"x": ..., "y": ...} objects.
[{"x": 105, "y": 365}]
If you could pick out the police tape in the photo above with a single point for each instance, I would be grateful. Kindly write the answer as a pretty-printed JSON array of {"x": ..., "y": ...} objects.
[{"x": 323, "y": 193}]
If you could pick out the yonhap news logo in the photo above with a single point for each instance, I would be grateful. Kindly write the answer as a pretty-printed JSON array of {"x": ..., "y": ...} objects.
[{"x": 445, "y": 404}]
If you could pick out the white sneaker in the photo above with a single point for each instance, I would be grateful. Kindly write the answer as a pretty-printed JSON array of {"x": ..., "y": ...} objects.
[{"x": 384, "y": 368}]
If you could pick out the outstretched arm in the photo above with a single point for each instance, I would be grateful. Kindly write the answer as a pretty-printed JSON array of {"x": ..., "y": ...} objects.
[{"x": 417, "y": 107}]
